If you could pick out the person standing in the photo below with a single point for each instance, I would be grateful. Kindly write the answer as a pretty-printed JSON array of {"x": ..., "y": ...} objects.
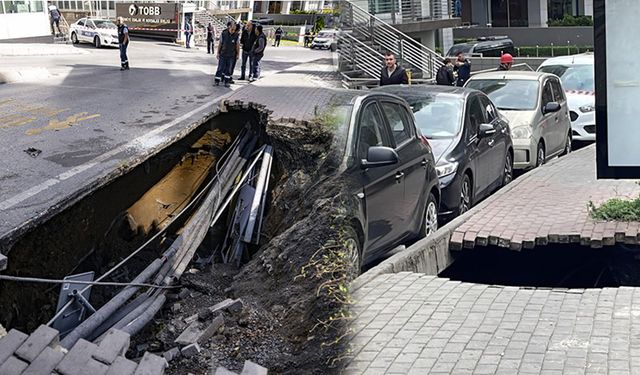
[
  {"x": 188, "y": 30},
  {"x": 247, "y": 40},
  {"x": 54, "y": 14},
  {"x": 506, "y": 61},
  {"x": 279, "y": 32},
  {"x": 236, "y": 35},
  {"x": 307, "y": 38},
  {"x": 211, "y": 37},
  {"x": 228, "y": 50},
  {"x": 392, "y": 73},
  {"x": 445, "y": 75},
  {"x": 123, "y": 43},
  {"x": 257, "y": 52},
  {"x": 463, "y": 67}
]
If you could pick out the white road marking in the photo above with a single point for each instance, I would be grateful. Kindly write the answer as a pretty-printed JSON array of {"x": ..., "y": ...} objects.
[{"x": 144, "y": 141}]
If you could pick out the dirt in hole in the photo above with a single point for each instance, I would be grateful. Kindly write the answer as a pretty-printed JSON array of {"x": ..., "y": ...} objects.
[{"x": 293, "y": 289}]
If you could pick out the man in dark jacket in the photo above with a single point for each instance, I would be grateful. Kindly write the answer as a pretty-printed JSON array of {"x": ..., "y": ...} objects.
[
  {"x": 211, "y": 37},
  {"x": 257, "y": 52},
  {"x": 123, "y": 43},
  {"x": 188, "y": 30},
  {"x": 392, "y": 73},
  {"x": 279, "y": 32},
  {"x": 228, "y": 50},
  {"x": 445, "y": 75},
  {"x": 463, "y": 67},
  {"x": 247, "y": 40}
]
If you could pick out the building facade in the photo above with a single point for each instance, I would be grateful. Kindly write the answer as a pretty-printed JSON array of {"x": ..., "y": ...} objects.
[
  {"x": 23, "y": 19},
  {"x": 521, "y": 13}
]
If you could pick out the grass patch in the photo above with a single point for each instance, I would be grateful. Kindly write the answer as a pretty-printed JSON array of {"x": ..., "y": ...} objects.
[{"x": 617, "y": 209}]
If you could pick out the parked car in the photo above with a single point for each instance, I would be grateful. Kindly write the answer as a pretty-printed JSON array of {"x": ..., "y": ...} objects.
[
  {"x": 536, "y": 106},
  {"x": 488, "y": 46},
  {"x": 326, "y": 39},
  {"x": 99, "y": 32},
  {"x": 390, "y": 168},
  {"x": 578, "y": 80},
  {"x": 470, "y": 139}
]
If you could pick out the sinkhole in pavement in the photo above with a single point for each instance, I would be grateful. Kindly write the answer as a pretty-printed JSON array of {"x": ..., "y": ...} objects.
[
  {"x": 552, "y": 266},
  {"x": 100, "y": 230}
]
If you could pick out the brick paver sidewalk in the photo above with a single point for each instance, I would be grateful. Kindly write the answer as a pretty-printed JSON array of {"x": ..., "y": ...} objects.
[
  {"x": 550, "y": 205},
  {"x": 409, "y": 323}
]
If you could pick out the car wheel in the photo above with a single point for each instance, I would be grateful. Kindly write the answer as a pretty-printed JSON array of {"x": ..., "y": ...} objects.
[
  {"x": 96, "y": 42},
  {"x": 541, "y": 155},
  {"x": 507, "y": 176},
  {"x": 430, "y": 221},
  {"x": 465, "y": 195},
  {"x": 74, "y": 38},
  {"x": 353, "y": 253},
  {"x": 567, "y": 145}
]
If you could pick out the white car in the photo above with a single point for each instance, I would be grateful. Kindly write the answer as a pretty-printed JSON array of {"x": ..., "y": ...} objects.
[
  {"x": 577, "y": 76},
  {"x": 99, "y": 32},
  {"x": 325, "y": 39}
]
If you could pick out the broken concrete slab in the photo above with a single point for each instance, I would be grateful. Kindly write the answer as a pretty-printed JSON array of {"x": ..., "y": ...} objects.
[
  {"x": 223, "y": 371},
  {"x": 171, "y": 354},
  {"x": 191, "y": 319},
  {"x": 211, "y": 329},
  {"x": 199, "y": 333},
  {"x": 191, "y": 350},
  {"x": 151, "y": 364},
  {"x": 233, "y": 306},
  {"x": 189, "y": 335},
  {"x": 114, "y": 344},
  {"x": 251, "y": 368}
]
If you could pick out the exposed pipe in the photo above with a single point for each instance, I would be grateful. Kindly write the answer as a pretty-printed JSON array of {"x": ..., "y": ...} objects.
[{"x": 141, "y": 321}]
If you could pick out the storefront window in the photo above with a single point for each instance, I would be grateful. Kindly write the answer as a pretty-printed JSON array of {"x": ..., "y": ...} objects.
[
  {"x": 558, "y": 8},
  {"x": 509, "y": 13}
]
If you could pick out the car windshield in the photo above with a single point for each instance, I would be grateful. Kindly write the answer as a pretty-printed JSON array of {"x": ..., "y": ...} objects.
[
  {"x": 437, "y": 116},
  {"x": 573, "y": 77},
  {"x": 104, "y": 24},
  {"x": 509, "y": 94}
]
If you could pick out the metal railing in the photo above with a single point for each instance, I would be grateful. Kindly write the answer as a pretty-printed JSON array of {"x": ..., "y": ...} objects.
[
  {"x": 404, "y": 11},
  {"x": 356, "y": 56},
  {"x": 380, "y": 36}
]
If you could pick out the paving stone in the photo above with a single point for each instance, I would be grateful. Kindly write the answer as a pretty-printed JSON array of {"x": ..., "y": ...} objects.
[
  {"x": 13, "y": 366},
  {"x": 190, "y": 350},
  {"x": 41, "y": 338},
  {"x": 9, "y": 343},
  {"x": 45, "y": 362},
  {"x": 75, "y": 360},
  {"x": 94, "y": 367},
  {"x": 122, "y": 366},
  {"x": 151, "y": 364},
  {"x": 114, "y": 344}
]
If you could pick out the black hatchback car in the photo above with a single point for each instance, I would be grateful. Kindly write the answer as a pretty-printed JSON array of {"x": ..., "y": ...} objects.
[
  {"x": 391, "y": 168},
  {"x": 470, "y": 139}
]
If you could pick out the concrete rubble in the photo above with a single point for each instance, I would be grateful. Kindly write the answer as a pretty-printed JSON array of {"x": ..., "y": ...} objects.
[{"x": 250, "y": 368}]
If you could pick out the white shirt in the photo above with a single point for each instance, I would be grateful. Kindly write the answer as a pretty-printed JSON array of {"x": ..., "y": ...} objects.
[{"x": 390, "y": 71}]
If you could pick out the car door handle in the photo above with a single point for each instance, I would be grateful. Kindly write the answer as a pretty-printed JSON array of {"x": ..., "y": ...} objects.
[{"x": 399, "y": 175}]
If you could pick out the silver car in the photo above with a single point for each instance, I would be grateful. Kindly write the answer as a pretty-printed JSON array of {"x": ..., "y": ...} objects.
[{"x": 537, "y": 109}]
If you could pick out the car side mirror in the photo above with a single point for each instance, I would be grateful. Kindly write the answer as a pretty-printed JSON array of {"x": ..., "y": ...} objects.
[
  {"x": 379, "y": 156},
  {"x": 551, "y": 107},
  {"x": 486, "y": 130}
]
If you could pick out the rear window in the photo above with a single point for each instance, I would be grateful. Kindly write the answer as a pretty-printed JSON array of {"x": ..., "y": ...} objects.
[
  {"x": 508, "y": 94},
  {"x": 573, "y": 77},
  {"x": 456, "y": 49},
  {"x": 437, "y": 116}
]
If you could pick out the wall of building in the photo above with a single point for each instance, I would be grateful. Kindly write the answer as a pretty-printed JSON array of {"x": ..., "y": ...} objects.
[
  {"x": 14, "y": 25},
  {"x": 538, "y": 13},
  {"x": 531, "y": 36}
]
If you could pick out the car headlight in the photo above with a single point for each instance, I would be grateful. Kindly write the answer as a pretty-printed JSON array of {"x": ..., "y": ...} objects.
[
  {"x": 521, "y": 132},
  {"x": 587, "y": 108},
  {"x": 447, "y": 168}
]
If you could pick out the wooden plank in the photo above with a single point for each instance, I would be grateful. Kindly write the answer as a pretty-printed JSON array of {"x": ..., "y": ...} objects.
[
  {"x": 41, "y": 338},
  {"x": 13, "y": 366},
  {"x": 9, "y": 344},
  {"x": 122, "y": 366},
  {"x": 44, "y": 363},
  {"x": 151, "y": 365},
  {"x": 115, "y": 343}
]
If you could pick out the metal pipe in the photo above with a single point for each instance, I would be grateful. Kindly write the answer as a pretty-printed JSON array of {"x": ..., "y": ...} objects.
[{"x": 141, "y": 321}]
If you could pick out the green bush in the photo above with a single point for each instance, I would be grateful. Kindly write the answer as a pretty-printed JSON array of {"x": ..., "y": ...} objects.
[
  {"x": 569, "y": 20},
  {"x": 298, "y": 11},
  {"x": 545, "y": 51},
  {"x": 617, "y": 209}
]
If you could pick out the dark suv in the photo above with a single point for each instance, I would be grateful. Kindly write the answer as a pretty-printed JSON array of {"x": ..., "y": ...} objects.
[
  {"x": 489, "y": 46},
  {"x": 391, "y": 168}
]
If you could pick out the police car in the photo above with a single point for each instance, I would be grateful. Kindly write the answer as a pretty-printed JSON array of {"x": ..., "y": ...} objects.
[{"x": 99, "y": 32}]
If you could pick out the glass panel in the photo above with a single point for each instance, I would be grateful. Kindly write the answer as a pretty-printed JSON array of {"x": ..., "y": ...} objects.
[
  {"x": 573, "y": 77},
  {"x": 437, "y": 116},
  {"x": 397, "y": 122},
  {"x": 558, "y": 8},
  {"x": 36, "y": 6},
  {"x": 508, "y": 94}
]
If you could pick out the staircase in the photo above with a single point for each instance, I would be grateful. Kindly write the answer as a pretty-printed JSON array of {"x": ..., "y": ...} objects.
[
  {"x": 364, "y": 39},
  {"x": 64, "y": 28},
  {"x": 201, "y": 18}
]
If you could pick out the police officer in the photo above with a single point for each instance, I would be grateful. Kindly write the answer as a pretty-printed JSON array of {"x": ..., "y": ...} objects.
[
  {"x": 123, "y": 43},
  {"x": 506, "y": 61},
  {"x": 257, "y": 52},
  {"x": 228, "y": 51},
  {"x": 211, "y": 36}
]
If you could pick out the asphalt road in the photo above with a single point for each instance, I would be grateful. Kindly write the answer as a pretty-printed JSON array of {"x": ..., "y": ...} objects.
[{"x": 59, "y": 135}]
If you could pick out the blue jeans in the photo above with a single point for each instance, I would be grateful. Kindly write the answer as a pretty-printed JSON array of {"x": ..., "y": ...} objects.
[
  {"x": 123, "y": 54},
  {"x": 256, "y": 66},
  {"x": 246, "y": 56},
  {"x": 188, "y": 37},
  {"x": 224, "y": 69}
]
